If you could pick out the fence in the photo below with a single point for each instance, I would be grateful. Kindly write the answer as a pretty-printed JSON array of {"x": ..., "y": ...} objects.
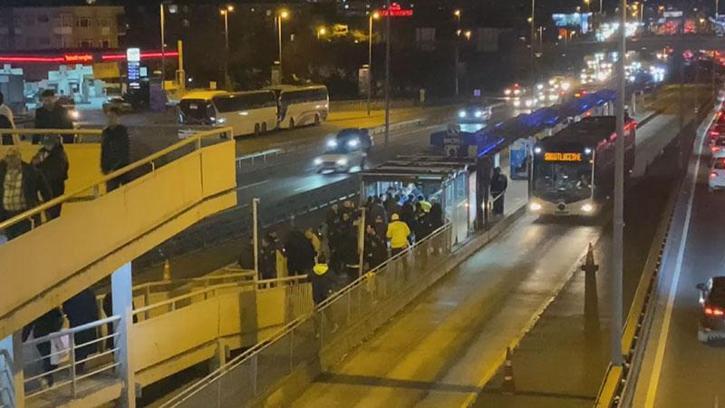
[
  {"x": 355, "y": 311},
  {"x": 83, "y": 354}
]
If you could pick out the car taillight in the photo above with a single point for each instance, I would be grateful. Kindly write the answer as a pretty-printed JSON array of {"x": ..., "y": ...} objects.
[
  {"x": 713, "y": 311},
  {"x": 714, "y": 133},
  {"x": 713, "y": 174},
  {"x": 715, "y": 148}
]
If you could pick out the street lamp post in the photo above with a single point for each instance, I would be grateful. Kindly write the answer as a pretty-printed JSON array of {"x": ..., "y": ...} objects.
[
  {"x": 387, "y": 73},
  {"x": 281, "y": 15},
  {"x": 372, "y": 17},
  {"x": 162, "y": 23},
  {"x": 457, "y": 14},
  {"x": 533, "y": 34},
  {"x": 225, "y": 13}
]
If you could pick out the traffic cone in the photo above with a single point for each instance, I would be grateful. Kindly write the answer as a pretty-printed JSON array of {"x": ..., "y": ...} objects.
[
  {"x": 167, "y": 270},
  {"x": 508, "y": 386}
]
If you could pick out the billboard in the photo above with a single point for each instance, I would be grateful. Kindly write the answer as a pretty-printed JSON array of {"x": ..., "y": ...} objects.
[{"x": 580, "y": 21}]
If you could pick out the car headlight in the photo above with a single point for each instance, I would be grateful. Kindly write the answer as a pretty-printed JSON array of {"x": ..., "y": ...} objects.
[
  {"x": 353, "y": 143},
  {"x": 74, "y": 114},
  {"x": 507, "y": 92},
  {"x": 529, "y": 103},
  {"x": 517, "y": 92},
  {"x": 478, "y": 114},
  {"x": 461, "y": 114},
  {"x": 587, "y": 208},
  {"x": 534, "y": 206},
  {"x": 342, "y": 162},
  {"x": 517, "y": 103},
  {"x": 221, "y": 120},
  {"x": 332, "y": 144},
  {"x": 317, "y": 161}
]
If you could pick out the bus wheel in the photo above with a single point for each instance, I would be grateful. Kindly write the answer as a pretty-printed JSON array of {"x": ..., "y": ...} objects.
[
  {"x": 264, "y": 127},
  {"x": 317, "y": 119},
  {"x": 256, "y": 128},
  {"x": 292, "y": 123}
]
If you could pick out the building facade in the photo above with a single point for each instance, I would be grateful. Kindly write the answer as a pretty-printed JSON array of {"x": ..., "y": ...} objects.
[{"x": 61, "y": 28}]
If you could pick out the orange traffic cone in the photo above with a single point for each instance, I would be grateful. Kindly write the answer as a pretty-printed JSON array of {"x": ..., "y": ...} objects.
[{"x": 508, "y": 386}]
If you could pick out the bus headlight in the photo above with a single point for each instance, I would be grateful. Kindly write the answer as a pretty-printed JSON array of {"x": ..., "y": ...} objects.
[
  {"x": 534, "y": 206},
  {"x": 353, "y": 143},
  {"x": 587, "y": 208},
  {"x": 317, "y": 161},
  {"x": 461, "y": 114}
]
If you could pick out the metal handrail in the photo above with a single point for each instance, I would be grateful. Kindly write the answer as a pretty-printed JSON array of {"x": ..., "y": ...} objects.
[
  {"x": 73, "y": 330},
  {"x": 253, "y": 351},
  {"x": 195, "y": 139},
  {"x": 204, "y": 279}
]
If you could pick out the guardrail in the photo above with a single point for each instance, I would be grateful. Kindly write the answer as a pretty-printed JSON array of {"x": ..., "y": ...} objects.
[
  {"x": 72, "y": 356},
  {"x": 616, "y": 386},
  {"x": 253, "y": 374},
  {"x": 258, "y": 156}
]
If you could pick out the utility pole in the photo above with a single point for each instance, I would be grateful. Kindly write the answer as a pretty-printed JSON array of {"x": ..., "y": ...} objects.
[
  {"x": 618, "y": 225},
  {"x": 533, "y": 35},
  {"x": 255, "y": 234},
  {"x": 388, "y": 17},
  {"x": 456, "y": 51}
]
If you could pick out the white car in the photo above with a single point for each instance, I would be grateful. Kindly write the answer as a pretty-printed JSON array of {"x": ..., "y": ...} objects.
[
  {"x": 716, "y": 179},
  {"x": 342, "y": 158}
]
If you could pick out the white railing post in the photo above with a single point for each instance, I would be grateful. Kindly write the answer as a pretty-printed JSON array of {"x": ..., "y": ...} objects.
[
  {"x": 72, "y": 351},
  {"x": 122, "y": 290}
]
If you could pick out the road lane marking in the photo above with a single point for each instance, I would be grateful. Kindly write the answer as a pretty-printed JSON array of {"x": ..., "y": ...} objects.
[
  {"x": 664, "y": 333},
  {"x": 259, "y": 183}
]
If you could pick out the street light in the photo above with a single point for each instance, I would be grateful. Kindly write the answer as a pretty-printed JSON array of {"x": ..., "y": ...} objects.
[
  {"x": 281, "y": 15},
  {"x": 373, "y": 16},
  {"x": 225, "y": 13},
  {"x": 467, "y": 34},
  {"x": 321, "y": 32}
]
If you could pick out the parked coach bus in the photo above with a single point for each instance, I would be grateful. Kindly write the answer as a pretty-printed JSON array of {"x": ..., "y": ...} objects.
[
  {"x": 301, "y": 105},
  {"x": 573, "y": 170},
  {"x": 247, "y": 113}
]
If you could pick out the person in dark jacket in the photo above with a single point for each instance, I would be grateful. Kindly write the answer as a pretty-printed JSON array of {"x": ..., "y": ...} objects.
[
  {"x": 435, "y": 217},
  {"x": 407, "y": 215},
  {"x": 246, "y": 257},
  {"x": 81, "y": 309},
  {"x": 108, "y": 311},
  {"x": 115, "y": 148},
  {"x": 22, "y": 188},
  {"x": 300, "y": 253},
  {"x": 52, "y": 115},
  {"x": 499, "y": 183},
  {"x": 320, "y": 280},
  {"x": 347, "y": 246},
  {"x": 376, "y": 251},
  {"x": 378, "y": 217},
  {"x": 50, "y": 322},
  {"x": 267, "y": 260},
  {"x": 52, "y": 161}
]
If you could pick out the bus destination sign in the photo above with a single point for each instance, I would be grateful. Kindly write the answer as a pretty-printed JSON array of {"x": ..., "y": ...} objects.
[{"x": 562, "y": 157}]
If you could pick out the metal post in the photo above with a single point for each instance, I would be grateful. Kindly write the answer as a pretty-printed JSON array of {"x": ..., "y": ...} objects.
[
  {"x": 255, "y": 233},
  {"x": 618, "y": 216},
  {"x": 279, "y": 46},
  {"x": 227, "y": 82},
  {"x": 72, "y": 350},
  {"x": 456, "y": 52},
  {"x": 370, "y": 60},
  {"x": 361, "y": 243},
  {"x": 387, "y": 73},
  {"x": 182, "y": 73},
  {"x": 122, "y": 295},
  {"x": 162, "y": 19},
  {"x": 717, "y": 8}
]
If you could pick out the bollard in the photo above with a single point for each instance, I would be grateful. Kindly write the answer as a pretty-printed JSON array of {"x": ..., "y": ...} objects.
[
  {"x": 167, "y": 270},
  {"x": 508, "y": 386}
]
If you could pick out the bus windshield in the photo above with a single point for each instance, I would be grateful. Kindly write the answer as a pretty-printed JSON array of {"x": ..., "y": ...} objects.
[
  {"x": 196, "y": 111},
  {"x": 562, "y": 181}
]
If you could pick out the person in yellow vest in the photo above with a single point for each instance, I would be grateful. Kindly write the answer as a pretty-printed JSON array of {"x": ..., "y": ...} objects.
[
  {"x": 320, "y": 279},
  {"x": 425, "y": 205},
  {"x": 398, "y": 232}
]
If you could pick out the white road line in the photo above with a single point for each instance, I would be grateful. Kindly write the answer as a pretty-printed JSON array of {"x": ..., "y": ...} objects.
[
  {"x": 259, "y": 183},
  {"x": 664, "y": 333}
]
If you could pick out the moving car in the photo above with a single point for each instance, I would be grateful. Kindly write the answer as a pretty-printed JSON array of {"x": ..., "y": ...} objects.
[
  {"x": 352, "y": 137},
  {"x": 474, "y": 113},
  {"x": 341, "y": 158},
  {"x": 712, "y": 300},
  {"x": 715, "y": 131},
  {"x": 119, "y": 103},
  {"x": 716, "y": 179},
  {"x": 718, "y": 148}
]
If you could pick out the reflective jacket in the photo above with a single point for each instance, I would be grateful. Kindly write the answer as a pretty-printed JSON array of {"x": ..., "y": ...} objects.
[{"x": 398, "y": 233}]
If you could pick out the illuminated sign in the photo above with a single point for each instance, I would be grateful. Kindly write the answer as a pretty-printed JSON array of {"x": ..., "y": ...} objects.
[
  {"x": 133, "y": 55},
  {"x": 396, "y": 10},
  {"x": 78, "y": 58},
  {"x": 562, "y": 157}
]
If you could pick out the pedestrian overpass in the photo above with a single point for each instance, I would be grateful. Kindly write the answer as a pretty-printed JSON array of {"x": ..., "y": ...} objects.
[{"x": 97, "y": 235}]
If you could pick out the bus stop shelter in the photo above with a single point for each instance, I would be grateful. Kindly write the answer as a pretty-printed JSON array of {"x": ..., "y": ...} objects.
[{"x": 449, "y": 181}]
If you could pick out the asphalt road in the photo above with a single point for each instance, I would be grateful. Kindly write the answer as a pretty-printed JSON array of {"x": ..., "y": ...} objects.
[{"x": 678, "y": 370}]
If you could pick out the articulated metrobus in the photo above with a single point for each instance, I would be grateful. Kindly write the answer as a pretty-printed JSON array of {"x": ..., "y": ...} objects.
[
  {"x": 301, "y": 105},
  {"x": 247, "y": 113},
  {"x": 573, "y": 170}
]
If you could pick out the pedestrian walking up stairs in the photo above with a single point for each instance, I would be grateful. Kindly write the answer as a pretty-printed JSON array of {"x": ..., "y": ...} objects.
[{"x": 99, "y": 233}]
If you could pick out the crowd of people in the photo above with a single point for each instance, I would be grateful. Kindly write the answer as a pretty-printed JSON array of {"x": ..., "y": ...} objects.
[
  {"x": 330, "y": 255},
  {"x": 25, "y": 185}
]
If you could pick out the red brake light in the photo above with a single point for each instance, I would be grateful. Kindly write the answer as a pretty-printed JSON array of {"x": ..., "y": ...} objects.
[
  {"x": 715, "y": 148},
  {"x": 711, "y": 311},
  {"x": 713, "y": 174}
]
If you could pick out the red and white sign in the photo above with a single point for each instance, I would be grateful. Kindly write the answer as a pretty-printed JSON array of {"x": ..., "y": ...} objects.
[{"x": 396, "y": 10}]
